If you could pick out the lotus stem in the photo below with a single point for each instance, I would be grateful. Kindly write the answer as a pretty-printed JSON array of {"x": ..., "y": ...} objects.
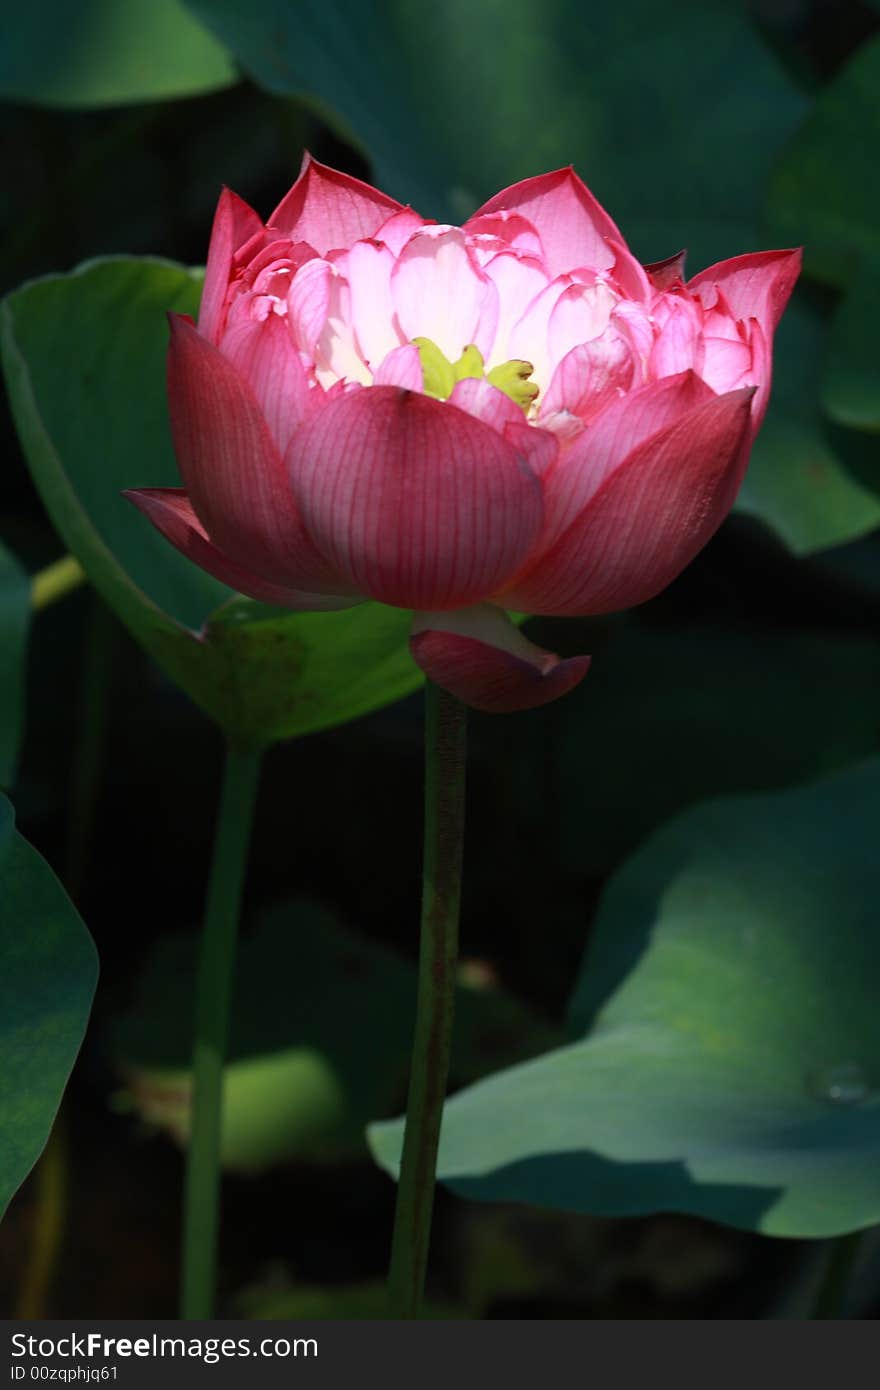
[
  {"x": 56, "y": 580},
  {"x": 837, "y": 1275},
  {"x": 445, "y": 749},
  {"x": 213, "y": 1001}
]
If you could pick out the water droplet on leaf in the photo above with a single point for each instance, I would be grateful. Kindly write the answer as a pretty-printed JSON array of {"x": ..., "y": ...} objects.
[{"x": 842, "y": 1083}]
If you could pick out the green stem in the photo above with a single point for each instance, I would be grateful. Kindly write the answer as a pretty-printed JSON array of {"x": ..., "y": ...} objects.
[
  {"x": 843, "y": 1257},
  {"x": 55, "y": 581},
  {"x": 445, "y": 746},
  {"x": 213, "y": 998},
  {"x": 51, "y": 1189}
]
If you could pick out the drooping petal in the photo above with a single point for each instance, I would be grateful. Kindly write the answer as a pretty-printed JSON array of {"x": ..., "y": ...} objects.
[
  {"x": 756, "y": 286},
  {"x": 478, "y": 655},
  {"x": 234, "y": 223},
  {"x": 439, "y": 293},
  {"x": 264, "y": 354},
  {"x": 231, "y": 467},
  {"x": 648, "y": 520},
  {"x": 417, "y": 503},
  {"x": 574, "y": 229},
  {"x": 171, "y": 512},
  {"x": 331, "y": 210}
]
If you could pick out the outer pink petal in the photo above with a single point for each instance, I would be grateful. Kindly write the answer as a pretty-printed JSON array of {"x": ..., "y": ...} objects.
[
  {"x": 481, "y": 399},
  {"x": 649, "y": 519},
  {"x": 608, "y": 441},
  {"x": 415, "y": 502},
  {"x": 234, "y": 224},
  {"x": 574, "y": 229},
  {"x": 331, "y": 210},
  {"x": 756, "y": 286},
  {"x": 232, "y": 468},
  {"x": 171, "y": 512},
  {"x": 264, "y": 354},
  {"x": 479, "y": 656}
]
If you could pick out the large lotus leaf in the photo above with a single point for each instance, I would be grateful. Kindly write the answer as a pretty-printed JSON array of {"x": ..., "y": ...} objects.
[
  {"x": 825, "y": 192},
  {"x": 815, "y": 485},
  {"x": 851, "y": 389},
  {"x": 668, "y": 717},
  {"x": 453, "y": 101},
  {"x": 320, "y": 1043},
  {"x": 48, "y": 970},
  {"x": 733, "y": 1067},
  {"x": 107, "y": 52},
  {"x": 84, "y": 359},
  {"x": 14, "y": 613}
]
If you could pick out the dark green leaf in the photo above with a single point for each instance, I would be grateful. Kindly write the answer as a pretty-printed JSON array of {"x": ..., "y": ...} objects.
[
  {"x": 735, "y": 1072},
  {"x": 107, "y": 52},
  {"x": 48, "y": 970},
  {"x": 669, "y": 717},
  {"x": 84, "y": 359},
  {"x": 851, "y": 392},
  {"x": 453, "y": 101},
  {"x": 803, "y": 479},
  {"x": 15, "y": 600},
  {"x": 825, "y": 193}
]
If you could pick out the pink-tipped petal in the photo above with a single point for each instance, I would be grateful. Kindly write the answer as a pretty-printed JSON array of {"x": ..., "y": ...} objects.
[
  {"x": 234, "y": 224},
  {"x": 396, "y": 232},
  {"x": 330, "y": 210},
  {"x": 478, "y": 655},
  {"x": 402, "y": 367},
  {"x": 171, "y": 512},
  {"x": 481, "y": 399},
  {"x": 232, "y": 468},
  {"x": 440, "y": 293},
  {"x": 414, "y": 501},
  {"x": 519, "y": 280},
  {"x": 591, "y": 376},
  {"x": 264, "y": 354},
  {"x": 755, "y": 286},
  {"x": 574, "y": 229},
  {"x": 648, "y": 520},
  {"x": 367, "y": 268}
]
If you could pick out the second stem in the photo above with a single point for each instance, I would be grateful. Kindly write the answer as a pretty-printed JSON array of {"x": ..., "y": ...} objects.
[
  {"x": 445, "y": 751},
  {"x": 213, "y": 1001}
]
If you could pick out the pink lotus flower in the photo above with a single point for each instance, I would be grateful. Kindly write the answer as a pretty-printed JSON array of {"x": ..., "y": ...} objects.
[{"x": 512, "y": 414}]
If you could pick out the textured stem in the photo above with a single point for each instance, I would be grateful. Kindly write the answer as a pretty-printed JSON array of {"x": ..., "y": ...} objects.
[
  {"x": 213, "y": 998},
  {"x": 843, "y": 1256},
  {"x": 445, "y": 747}
]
